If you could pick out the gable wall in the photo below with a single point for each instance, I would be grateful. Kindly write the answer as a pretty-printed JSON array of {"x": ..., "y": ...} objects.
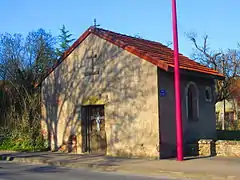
[{"x": 128, "y": 87}]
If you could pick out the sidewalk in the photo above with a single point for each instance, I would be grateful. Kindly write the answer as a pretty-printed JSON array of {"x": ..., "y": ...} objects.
[{"x": 200, "y": 168}]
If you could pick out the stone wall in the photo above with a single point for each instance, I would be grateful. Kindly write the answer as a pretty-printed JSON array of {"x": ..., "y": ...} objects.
[
  {"x": 208, "y": 147},
  {"x": 228, "y": 148}
]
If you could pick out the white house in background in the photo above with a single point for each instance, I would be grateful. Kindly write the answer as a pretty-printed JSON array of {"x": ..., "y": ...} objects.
[{"x": 232, "y": 110}]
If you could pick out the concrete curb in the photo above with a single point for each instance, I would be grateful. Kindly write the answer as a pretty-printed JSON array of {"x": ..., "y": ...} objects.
[{"x": 127, "y": 170}]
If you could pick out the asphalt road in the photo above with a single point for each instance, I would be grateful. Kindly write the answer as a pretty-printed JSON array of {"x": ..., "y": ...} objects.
[{"x": 15, "y": 171}]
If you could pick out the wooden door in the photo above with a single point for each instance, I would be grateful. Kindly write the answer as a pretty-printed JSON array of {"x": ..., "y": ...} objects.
[
  {"x": 97, "y": 131},
  {"x": 93, "y": 129}
]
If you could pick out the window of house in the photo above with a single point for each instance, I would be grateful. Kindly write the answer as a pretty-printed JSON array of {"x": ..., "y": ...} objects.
[
  {"x": 208, "y": 94},
  {"x": 192, "y": 100},
  {"x": 229, "y": 116}
]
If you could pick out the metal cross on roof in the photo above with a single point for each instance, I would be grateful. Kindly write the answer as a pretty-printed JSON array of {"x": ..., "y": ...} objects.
[{"x": 95, "y": 23}]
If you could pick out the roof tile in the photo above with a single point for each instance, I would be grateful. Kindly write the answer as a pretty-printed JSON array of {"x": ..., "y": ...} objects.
[
  {"x": 157, "y": 51},
  {"x": 154, "y": 52}
]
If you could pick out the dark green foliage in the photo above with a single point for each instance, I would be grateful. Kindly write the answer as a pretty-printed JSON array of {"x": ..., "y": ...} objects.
[
  {"x": 22, "y": 139},
  {"x": 65, "y": 39},
  {"x": 228, "y": 135}
]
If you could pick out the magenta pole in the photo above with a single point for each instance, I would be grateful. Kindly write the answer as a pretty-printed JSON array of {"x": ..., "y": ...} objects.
[{"x": 177, "y": 85}]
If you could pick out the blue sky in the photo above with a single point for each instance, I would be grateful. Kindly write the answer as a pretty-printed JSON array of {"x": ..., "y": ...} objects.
[{"x": 150, "y": 19}]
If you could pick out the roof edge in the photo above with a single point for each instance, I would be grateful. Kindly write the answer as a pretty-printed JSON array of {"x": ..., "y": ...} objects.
[
  {"x": 118, "y": 43},
  {"x": 157, "y": 62},
  {"x": 209, "y": 74}
]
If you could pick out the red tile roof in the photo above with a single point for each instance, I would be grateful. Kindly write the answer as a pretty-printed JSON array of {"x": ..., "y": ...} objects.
[{"x": 154, "y": 52}]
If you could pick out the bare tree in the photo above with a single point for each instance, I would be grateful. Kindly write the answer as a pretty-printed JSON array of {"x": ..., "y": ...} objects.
[
  {"x": 25, "y": 60},
  {"x": 22, "y": 63},
  {"x": 228, "y": 63}
]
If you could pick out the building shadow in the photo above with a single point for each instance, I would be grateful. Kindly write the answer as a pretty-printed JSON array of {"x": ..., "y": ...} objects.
[{"x": 46, "y": 169}]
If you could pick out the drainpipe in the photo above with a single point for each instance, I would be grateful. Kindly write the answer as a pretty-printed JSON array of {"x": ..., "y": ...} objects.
[{"x": 224, "y": 105}]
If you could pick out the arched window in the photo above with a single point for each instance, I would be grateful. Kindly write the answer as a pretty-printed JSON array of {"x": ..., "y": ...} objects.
[{"x": 192, "y": 101}]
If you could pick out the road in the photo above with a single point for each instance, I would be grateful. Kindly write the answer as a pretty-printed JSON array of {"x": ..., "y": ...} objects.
[{"x": 16, "y": 171}]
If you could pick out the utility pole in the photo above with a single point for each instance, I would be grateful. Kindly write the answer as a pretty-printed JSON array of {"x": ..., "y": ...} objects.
[
  {"x": 224, "y": 102},
  {"x": 179, "y": 133},
  {"x": 224, "y": 110}
]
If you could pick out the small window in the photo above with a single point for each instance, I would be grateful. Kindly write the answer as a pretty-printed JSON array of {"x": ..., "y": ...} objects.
[
  {"x": 208, "y": 94},
  {"x": 192, "y": 100},
  {"x": 229, "y": 116}
]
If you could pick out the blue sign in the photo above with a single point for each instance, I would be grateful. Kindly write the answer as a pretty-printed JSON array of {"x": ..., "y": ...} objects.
[{"x": 163, "y": 92}]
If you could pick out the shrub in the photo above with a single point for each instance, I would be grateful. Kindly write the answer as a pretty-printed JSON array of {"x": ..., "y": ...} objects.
[
  {"x": 228, "y": 135},
  {"x": 22, "y": 139}
]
